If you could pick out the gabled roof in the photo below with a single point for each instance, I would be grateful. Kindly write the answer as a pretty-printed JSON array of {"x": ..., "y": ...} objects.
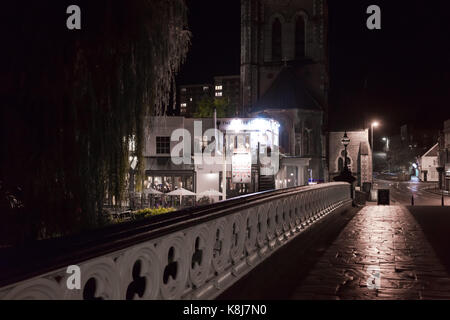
[
  {"x": 433, "y": 152},
  {"x": 287, "y": 91}
]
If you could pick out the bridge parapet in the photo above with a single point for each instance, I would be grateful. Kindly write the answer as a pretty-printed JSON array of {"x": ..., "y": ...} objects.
[{"x": 196, "y": 253}]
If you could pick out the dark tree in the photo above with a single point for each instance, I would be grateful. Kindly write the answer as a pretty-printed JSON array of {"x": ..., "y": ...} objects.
[{"x": 72, "y": 102}]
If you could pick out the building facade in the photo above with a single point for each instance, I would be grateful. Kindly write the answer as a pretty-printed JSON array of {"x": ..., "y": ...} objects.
[
  {"x": 359, "y": 155},
  {"x": 444, "y": 158},
  {"x": 238, "y": 154},
  {"x": 428, "y": 164},
  {"x": 284, "y": 76},
  {"x": 227, "y": 88},
  {"x": 190, "y": 95}
]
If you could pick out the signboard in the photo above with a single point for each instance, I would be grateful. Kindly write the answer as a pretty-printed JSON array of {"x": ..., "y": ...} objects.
[{"x": 241, "y": 168}]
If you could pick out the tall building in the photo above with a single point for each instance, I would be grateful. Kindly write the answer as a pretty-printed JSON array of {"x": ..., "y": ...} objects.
[
  {"x": 190, "y": 95},
  {"x": 284, "y": 76},
  {"x": 227, "y": 87}
]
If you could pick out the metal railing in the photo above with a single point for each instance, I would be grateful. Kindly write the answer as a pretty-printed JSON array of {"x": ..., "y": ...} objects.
[{"x": 195, "y": 253}]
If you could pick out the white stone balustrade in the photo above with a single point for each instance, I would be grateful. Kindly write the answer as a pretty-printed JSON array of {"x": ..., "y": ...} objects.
[{"x": 198, "y": 262}]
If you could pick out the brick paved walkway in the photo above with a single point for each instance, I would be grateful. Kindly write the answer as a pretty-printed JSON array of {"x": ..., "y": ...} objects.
[{"x": 386, "y": 238}]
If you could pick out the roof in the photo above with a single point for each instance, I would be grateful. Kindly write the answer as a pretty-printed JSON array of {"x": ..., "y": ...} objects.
[
  {"x": 287, "y": 91},
  {"x": 364, "y": 148},
  {"x": 433, "y": 152}
]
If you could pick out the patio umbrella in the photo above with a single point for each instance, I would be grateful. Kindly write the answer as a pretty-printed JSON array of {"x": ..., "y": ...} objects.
[
  {"x": 181, "y": 192},
  {"x": 210, "y": 193},
  {"x": 151, "y": 191}
]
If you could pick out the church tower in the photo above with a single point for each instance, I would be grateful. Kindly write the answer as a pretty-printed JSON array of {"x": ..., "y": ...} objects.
[
  {"x": 275, "y": 33},
  {"x": 284, "y": 76}
]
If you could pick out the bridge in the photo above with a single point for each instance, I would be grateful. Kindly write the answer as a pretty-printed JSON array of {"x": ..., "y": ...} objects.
[
  {"x": 296, "y": 243},
  {"x": 195, "y": 253}
]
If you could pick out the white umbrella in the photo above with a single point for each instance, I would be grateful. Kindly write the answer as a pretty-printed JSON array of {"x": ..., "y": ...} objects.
[
  {"x": 181, "y": 192},
  {"x": 210, "y": 193},
  {"x": 151, "y": 191}
]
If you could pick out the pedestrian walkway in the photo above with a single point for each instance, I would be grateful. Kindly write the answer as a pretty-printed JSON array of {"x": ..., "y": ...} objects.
[{"x": 382, "y": 253}]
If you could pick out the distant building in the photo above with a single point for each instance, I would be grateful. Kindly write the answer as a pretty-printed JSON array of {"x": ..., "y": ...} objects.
[
  {"x": 359, "y": 155},
  {"x": 245, "y": 140},
  {"x": 190, "y": 95},
  {"x": 428, "y": 164},
  {"x": 227, "y": 88},
  {"x": 444, "y": 158}
]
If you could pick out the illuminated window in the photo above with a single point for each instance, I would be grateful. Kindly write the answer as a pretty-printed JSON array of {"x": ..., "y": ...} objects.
[
  {"x": 183, "y": 105},
  {"x": 183, "y": 89},
  {"x": 190, "y": 99},
  {"x": 205, "y": 88},
  {"x": 219, "y": 87},
  {"x": 219, "y": 94}
]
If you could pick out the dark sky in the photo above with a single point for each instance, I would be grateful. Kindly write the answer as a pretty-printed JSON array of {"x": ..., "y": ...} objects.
[{"x": 406, "y": 64}]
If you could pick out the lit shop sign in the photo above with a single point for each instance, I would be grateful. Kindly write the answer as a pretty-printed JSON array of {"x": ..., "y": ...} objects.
[
  {"x": 256, "y": 124},
  {"x": 241, "y": 167}
]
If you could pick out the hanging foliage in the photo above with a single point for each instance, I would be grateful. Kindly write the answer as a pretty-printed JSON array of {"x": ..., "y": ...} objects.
[{"x": 74, "y": 99}]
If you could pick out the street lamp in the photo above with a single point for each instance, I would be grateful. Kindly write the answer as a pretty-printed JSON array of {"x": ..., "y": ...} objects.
[
  {"x": 387, "y": 143},
  {"x": 345, "y": 174},
  {"x": 345, "y": 141}
]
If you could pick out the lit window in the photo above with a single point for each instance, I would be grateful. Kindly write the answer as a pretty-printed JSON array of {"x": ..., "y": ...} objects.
[
  {"x": 183, "y": 89},
  {"x": 219, "y": 94},
  {"x": 183, "y": 105},
  {"x": 219, "y": 87},
  {"x": 205, "y": 88},
  {"x": 190, "y": 99}
]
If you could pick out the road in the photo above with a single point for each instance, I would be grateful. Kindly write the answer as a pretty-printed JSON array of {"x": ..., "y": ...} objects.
[{"x": 401, "y": 192}]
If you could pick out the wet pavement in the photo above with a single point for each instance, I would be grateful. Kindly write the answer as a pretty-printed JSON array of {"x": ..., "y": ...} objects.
[
  {"x": 382, "y": 253},
  {"x": 400, "y": 192}
]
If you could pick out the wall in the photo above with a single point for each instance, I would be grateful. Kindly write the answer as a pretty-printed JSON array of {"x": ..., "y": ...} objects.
[{"x": 353, "y": 150}]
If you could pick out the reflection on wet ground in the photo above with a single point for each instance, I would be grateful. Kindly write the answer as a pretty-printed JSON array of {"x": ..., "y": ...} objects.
[{"x": 382, "y": 253}]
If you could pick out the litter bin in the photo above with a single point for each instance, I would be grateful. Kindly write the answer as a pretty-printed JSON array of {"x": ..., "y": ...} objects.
[{"x": 383, "y": 197}]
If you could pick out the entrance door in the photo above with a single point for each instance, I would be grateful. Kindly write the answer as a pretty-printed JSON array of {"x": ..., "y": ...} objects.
[{"x": 425, "y": 173}]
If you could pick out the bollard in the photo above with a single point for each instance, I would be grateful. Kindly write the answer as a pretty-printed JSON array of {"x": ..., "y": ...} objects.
[{"x": 412, "y": 200}]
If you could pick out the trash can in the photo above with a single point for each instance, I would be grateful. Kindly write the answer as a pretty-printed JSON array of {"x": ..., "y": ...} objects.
[{"x": 383, "y": 197}]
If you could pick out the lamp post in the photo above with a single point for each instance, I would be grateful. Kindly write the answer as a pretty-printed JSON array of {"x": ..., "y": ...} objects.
[
  {"x": 346, "y": 174},
  {"x": 345, "y": 141}
]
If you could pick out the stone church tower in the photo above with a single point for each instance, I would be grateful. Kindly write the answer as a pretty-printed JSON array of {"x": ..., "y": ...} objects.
[{"x": 284, "y": 75}]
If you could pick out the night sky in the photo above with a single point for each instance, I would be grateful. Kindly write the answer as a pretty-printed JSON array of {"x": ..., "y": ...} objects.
[{"x": 406, "y": 64}]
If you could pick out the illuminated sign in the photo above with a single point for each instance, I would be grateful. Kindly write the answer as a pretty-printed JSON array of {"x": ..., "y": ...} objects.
[{"x": 241, "y": 168}]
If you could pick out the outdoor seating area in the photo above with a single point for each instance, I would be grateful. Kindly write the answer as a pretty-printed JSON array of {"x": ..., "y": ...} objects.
[{"x": 151, "y": 199}]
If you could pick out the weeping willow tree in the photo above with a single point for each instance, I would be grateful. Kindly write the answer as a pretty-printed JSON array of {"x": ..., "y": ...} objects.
[{"x": 74, "y": 99}]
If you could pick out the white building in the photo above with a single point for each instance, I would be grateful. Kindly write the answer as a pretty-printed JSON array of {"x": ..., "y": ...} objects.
[
  {"x": 177, "y": 151},
  {"x": 428, "y": 164}
]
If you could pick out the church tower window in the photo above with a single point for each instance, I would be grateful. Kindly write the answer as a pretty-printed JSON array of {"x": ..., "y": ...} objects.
[
  {"x": 276, "y": 40},
  {"x": 300, "y": 27}
]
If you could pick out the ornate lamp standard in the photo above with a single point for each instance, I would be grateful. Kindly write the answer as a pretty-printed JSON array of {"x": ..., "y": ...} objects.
[{"x": 346, "y": 174}]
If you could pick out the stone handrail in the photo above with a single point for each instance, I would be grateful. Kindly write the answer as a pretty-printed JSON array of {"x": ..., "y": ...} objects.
[{"x": 195, "y": 253}]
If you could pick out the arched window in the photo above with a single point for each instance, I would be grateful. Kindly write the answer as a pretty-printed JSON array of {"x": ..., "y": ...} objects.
[
  {"x": 306, "y": 143},
  {"x": 276, "y": 40},
  {"x": 300, "y": 37},
  {"x": 341, "y": 161}
]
